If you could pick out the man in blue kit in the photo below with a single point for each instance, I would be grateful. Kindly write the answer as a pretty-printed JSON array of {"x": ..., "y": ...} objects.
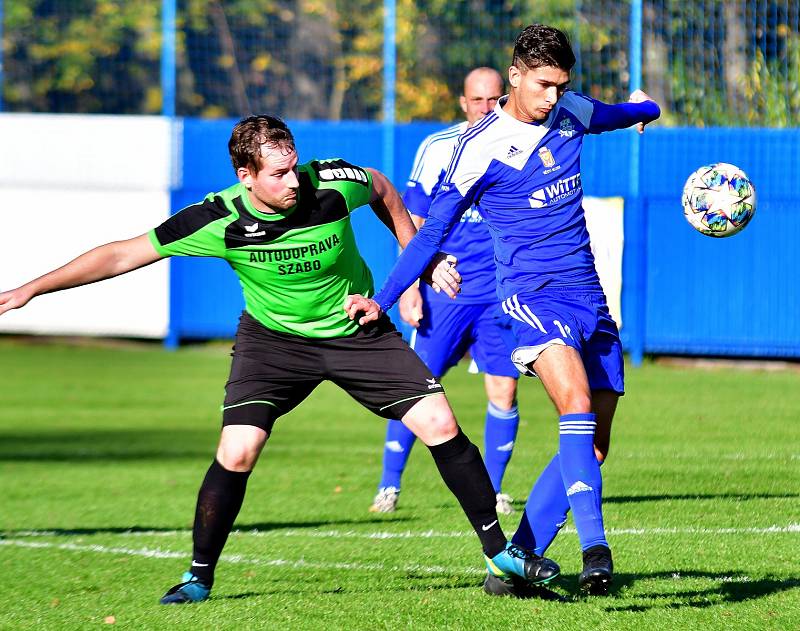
[
  {"x": 443, "y": 329},
  {"x": 520, "y": 166}
]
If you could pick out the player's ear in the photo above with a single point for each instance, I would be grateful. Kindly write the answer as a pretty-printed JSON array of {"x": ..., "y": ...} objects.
[
  {"x": 463, "y": 102},
  {"x": 245, "y": 177},
  {"x": 514, "y": 76}
]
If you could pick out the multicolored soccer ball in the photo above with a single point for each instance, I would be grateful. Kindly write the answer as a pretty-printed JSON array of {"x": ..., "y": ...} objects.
[{"x": 719, "y": 200}]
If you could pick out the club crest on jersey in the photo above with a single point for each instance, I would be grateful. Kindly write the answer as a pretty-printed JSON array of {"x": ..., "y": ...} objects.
[
  {"x": 565, "y": 128},
  {"x": 546, "y": 157}
]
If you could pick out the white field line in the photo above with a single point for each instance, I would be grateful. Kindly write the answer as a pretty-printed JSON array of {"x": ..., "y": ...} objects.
[
  {"x": 236, "y": 558},
  {"x": 703, "y": 458},
  {"x": 426, "y": 534},
  {"x": 300, "y": 564}
]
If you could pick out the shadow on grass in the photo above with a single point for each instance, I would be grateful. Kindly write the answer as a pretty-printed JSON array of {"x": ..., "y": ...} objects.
[
  {"x": 421, "y": 584},
  {"x": 728, "y": 590},
  {"x": 243, "y": 528},
  {"x": 634, "y": 499},
  {"x": 119, "y": 445},
  {"x": 732, "y": 587}
]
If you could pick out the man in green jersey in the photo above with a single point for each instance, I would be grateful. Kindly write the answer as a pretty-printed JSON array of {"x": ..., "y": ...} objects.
[{"x": 285, "y": 230}]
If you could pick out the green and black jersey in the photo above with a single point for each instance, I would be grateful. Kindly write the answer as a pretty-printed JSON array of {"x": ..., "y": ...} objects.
[{"x": 297, "y": 267}]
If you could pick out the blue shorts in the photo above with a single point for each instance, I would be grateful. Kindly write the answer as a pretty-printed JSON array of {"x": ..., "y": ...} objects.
[
  {"x": 573, "y": 317},
  {"x": 448, "y": 330}
]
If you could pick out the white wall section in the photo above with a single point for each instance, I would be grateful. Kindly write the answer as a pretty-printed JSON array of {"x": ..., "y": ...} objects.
[{"x": 69, "y": 183}]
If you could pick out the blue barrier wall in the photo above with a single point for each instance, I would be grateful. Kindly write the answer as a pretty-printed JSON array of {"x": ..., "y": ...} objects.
[
  {"x": 682, "y": 292},
  {"x": 205, "y": 298}
]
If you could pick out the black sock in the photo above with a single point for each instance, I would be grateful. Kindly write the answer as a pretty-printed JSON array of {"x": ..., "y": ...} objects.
[
  {"x": 218, "y": 504},
  {"x": 462, "y": 469}
]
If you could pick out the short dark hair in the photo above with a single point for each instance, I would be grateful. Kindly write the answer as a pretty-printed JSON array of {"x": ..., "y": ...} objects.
[
  {"x": 540, "y": 45},
  {"x": 250, "y": 133}
]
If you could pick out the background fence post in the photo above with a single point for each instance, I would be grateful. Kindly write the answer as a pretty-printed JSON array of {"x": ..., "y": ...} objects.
[
  {"x": 168, "y": 74},
  {"x": 168, "y": 57},
  {"x": 389, "y": 78},
  {"x": 2, "y": 14},
  {"x": 635, "y": 230}
]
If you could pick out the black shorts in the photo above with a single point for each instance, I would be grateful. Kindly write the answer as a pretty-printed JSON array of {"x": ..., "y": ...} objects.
[{"x": 273, "y": 372}]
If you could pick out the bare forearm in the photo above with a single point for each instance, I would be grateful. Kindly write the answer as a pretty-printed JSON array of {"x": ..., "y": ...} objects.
[
  {"x": 106, "y": 261},
  {"x": 390, "y": 209},
  {"x": 97, "y": 264}
]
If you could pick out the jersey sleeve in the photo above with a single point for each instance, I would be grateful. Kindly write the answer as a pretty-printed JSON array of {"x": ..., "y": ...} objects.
[
  {"x": 194, "y": 231},
  {"x": 426, "y": 175},
  {"x": 430, "y": 164},
  {"x": 455, "y": 195},
  {"x": 607, "y": 117},
  {"x": 416, "y": 199},
  {"x": 354, "y": 183}
]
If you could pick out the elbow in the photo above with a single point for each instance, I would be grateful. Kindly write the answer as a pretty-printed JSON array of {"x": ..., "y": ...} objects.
[{"x": 654, "y": 111}]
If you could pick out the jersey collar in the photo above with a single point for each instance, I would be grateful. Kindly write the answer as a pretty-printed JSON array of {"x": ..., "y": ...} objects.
[{"x": 509, "y": 120}]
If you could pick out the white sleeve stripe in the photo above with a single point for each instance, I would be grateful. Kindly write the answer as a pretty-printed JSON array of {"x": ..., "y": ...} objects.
[
  {"x": 462, "y": 142},
  {"x": 446, "y": 134}
]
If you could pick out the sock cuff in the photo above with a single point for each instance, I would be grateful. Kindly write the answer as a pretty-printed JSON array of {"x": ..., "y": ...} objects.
[
  {"x": 580, "y": 424},
  {"x": 496, "y": 412},
  {"x": 217, "y": 471},
  {"x": 452, "y": 448},
  {"x": 585, "y": 416}
]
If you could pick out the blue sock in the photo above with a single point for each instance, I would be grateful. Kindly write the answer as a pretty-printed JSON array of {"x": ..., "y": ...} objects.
[
  {"x": 396, "y": 449},
  {"x": 545, "y": 511},
  {"x": 500, "y": 433},
  {"x": 581, "y": 476}
]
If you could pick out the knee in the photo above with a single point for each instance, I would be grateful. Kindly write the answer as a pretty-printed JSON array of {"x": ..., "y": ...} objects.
[
  {"x": 436, "y": 427},
  {"x": 237, "y": 458},
  {"x": 501, "y": 392},
  {"x": 237, "y": 453},
  {"x": 575, "y": 403},
  {"x": 442, "y": 424}
]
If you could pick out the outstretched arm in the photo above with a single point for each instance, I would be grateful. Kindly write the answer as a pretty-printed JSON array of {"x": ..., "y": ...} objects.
[
  {"x": 105, "y": 261},
  {"x": 639, "y": 110},
  {"x": 638, "y": 96}
]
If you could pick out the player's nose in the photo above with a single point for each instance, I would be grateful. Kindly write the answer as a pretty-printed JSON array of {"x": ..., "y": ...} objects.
[{"x": 290, "y": 179}]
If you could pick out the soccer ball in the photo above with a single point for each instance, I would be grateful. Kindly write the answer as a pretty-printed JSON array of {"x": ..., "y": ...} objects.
[{"x": 719, "y": 200}]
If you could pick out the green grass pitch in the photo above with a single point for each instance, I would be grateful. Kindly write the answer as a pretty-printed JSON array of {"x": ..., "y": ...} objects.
[{"x": 102, "y": 450}]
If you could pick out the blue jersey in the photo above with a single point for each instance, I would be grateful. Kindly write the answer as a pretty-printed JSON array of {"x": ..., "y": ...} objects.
[
  {"x": 469, "y": 240},
  {"x": 525, "y": 179}
]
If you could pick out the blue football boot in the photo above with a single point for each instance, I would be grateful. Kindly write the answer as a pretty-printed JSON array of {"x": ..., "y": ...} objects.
[
  {"x": 191, "y": 590},
  {"x": 517, "y": 561}
]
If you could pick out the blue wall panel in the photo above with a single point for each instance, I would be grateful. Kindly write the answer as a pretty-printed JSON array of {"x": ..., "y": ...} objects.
[
  {"x": 732, "y": 296},
  {"x": 206, "y": 299},
  {"x": 698, "y": 295}
]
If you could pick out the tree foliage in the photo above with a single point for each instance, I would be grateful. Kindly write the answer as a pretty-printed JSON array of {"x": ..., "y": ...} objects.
[{"x": 710, "y": 62}]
